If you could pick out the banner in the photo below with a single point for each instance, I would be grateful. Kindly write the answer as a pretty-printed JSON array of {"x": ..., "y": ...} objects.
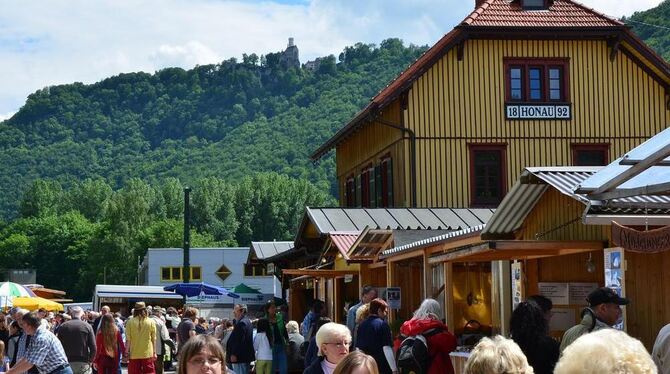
[{"x": 652, "y": 241}]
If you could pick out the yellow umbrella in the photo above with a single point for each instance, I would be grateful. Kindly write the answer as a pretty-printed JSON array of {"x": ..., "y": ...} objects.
[{"x": 34, "y": 303}]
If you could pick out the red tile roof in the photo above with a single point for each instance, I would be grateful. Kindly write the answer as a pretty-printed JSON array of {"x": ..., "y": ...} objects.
[
  {"x": 566, "y": 14},
  {"x": 562, "y": 13},
  {"x": 343, "y": 241}
]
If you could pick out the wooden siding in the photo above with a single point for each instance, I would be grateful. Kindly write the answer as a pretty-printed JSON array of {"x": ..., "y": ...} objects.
[
  {"x": 368, "y": 146},
  {"x": 456, "y": 103},
  {"x": 648, "y": 288},
  {"x": 558, "y": 217}
]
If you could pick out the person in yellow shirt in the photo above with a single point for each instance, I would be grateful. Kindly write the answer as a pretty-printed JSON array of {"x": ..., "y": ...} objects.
[{"x": 141, "y": 339}]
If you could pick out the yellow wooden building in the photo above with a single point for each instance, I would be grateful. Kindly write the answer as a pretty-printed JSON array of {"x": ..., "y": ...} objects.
[
  {"x": 509, "y": 87},
  {"x": 516, "y": 84}
]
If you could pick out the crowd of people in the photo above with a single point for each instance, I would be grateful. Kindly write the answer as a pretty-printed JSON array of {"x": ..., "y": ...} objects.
[{"x": 81, "y": 342}]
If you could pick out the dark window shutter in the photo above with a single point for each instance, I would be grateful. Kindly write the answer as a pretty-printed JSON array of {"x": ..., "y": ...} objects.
[
  {"x": 378, "y": 186},
  {"x": 389, "y": 183},
  {"x": 358, "y": 190}
]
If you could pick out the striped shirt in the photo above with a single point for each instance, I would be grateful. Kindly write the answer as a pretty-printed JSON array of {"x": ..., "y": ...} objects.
[{"x": 45, "y": 351}]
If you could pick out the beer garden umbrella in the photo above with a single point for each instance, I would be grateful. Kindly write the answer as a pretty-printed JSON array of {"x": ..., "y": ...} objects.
[
  {"x": 34, "y": 303},
  {"x": 196, "y": 289},
  {"x": 10, "y": 290}
]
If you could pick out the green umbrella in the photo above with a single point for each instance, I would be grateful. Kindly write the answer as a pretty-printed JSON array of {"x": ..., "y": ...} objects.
[{"x": 243, "y": 288}]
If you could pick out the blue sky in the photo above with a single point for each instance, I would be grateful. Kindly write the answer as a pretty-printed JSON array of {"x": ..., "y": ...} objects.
[{"x": 48, "y": 42}]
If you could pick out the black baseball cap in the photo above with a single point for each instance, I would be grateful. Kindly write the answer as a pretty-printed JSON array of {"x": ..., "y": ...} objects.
[{"x": 604, "y": 295}]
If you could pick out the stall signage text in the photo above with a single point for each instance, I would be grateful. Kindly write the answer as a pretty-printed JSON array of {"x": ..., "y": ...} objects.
[
  {"x": 530, "y": 111},
  {"x": 651, "y": 241}
]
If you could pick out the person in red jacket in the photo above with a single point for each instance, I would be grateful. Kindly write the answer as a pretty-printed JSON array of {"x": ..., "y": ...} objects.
[
  {"x": 109, "y": 346},
  {"x": 427, "y": 318}
]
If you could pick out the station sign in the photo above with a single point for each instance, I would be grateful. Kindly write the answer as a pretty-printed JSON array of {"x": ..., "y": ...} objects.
[{"x": 537, "y": 111}]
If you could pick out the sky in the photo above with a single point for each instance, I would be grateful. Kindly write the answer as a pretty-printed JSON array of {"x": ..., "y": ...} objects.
[{"x": 50, "y": 42}]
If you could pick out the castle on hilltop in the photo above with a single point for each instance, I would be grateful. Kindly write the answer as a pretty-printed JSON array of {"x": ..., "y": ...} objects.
[{"x": 290, "y": 57}]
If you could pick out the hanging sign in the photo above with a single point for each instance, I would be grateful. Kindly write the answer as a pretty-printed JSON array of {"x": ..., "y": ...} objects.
[{"x": 652, "y": 241}]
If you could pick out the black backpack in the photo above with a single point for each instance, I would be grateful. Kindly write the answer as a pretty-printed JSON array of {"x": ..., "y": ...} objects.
[{"x": 413, "y": 352}]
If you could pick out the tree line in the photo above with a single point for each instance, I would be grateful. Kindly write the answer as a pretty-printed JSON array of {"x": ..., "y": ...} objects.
[{"x": 71, "y": 235}]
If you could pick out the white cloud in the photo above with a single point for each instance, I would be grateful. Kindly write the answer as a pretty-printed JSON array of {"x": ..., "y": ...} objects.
[
  {"x": 189, "y": 54},
  {"x": 64, "y": 41}
]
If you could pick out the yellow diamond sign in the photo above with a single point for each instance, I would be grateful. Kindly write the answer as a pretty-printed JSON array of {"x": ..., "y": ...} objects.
[{"x": 223, "y": 272}]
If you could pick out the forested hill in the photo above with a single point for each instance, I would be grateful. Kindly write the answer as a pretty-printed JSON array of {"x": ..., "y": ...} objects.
[
  {"x": 227, "y": 120},
  {"x": 653, "y": 26}
]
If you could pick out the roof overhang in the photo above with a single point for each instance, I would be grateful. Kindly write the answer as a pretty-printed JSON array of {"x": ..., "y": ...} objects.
[
  {"x": 516, "y": 250},
  {"x": 629, "y": 220},
  {"x": 368, "y": 246}
]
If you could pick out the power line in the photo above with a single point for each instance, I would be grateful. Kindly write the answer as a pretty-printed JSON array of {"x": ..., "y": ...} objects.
[{"x": 649, "y": 24}]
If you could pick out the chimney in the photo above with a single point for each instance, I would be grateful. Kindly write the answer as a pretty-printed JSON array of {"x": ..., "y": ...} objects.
[
  {"x": 290, "y": 41},
  {"x": 479, "y": 3}
]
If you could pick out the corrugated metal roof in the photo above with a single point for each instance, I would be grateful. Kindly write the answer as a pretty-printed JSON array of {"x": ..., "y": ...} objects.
[
  {"x": 432, "y": 241},
  {"x": 264, "y": 250},
  {"x": 329, "y": 220},
  {"x": 562, "y": 13},
  {"x": 532, "y": 184},
  {"x": 513, "y": 210}
]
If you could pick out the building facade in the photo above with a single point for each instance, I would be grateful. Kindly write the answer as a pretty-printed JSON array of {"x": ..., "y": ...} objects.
[
  {"x": 225, "y": 267},
  {"x": 510, "y": 87}
]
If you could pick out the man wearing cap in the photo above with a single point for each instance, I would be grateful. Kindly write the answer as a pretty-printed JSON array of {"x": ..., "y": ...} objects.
[
  {"x": 604, "y": 311},
  {"x": 141, "y": 341}
]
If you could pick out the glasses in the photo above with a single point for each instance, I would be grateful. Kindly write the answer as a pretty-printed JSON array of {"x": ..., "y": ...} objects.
[
  {"x": 340, "y": 345},
  {"x": 212, "y": 361}
]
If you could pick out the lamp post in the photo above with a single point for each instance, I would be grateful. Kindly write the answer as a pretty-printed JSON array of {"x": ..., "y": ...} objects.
[{"x": 187, "y": 236}]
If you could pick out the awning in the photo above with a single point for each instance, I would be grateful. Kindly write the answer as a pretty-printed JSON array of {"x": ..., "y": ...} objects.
[
  {"x": 344, "y": 241},
  {"x": 516, "y": 250},
  {"x": 141, "y": 295},
  {"x": 320, "y": 273},
  {"x": 369, "y": 244}
]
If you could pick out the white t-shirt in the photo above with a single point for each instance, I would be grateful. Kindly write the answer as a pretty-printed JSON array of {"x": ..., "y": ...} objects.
[{"x": 262, "y": 347}]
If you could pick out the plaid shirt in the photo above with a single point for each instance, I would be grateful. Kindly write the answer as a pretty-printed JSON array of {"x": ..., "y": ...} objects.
[{"x": 45, "y": 351}]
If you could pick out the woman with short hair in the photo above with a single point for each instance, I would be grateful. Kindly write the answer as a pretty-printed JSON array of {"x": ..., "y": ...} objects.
[
  {"x": 374, "y": 337},
  {"x": 497, "y": 356},
  {"x": 606, "y": 351},
  {"x": 333, "y": 340}
]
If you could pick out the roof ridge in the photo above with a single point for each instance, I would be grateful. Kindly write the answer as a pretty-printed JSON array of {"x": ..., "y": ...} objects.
[
  {"x": 476, "y": 12},
  {"x": 597, "y": 13}
]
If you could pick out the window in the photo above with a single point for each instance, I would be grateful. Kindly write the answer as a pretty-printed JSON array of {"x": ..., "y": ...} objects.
[
  {"x": 487, "y": 174},
  {"x": 590, "y": 154},
  {"x": 536, "y": 80},
  {"x": 385, "y": 189},
  {"x": 350, "y": 192},
  {"x": 254, "y": 270},
  {"x": 534, "y": 4},
  {"x": 174, "y": 273},
  {"x": 368, "y": 189}
]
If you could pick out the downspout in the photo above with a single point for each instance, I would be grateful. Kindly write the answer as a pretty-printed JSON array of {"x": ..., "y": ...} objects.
[{"x": 412, "y": 151}]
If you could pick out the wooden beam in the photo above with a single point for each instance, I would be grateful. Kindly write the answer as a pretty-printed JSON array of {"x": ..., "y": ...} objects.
[
  {"x": 377, "y": 265},
  {"x": 592, "y": 245},
  {"x": 406, "y": 255},
  {"x": 517, "y": 250}
]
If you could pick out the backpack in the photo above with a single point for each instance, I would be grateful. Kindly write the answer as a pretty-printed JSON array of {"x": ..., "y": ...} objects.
[{"x": 413, "y": 352}]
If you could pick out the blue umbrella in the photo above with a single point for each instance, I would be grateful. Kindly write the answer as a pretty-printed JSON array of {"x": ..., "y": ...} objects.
[{"x": 195, "y": 289}]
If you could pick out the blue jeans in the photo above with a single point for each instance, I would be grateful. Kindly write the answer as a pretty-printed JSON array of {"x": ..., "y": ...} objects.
[
  {"x": 279, "y": 359},
  {"x": 241, "y": 368}
]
